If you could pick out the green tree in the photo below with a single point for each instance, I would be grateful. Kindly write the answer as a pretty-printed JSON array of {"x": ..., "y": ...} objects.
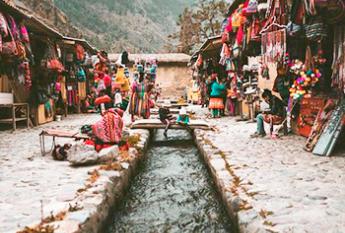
[{"x": 200, "y": 23}]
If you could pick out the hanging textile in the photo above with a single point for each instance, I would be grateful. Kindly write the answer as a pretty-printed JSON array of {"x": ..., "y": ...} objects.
[
  {"x": 72, "y": 96},
  {"x": 338, "y": 76},
  {"x": 82, "y": 90},
  {"x": 273, "y": 46}
]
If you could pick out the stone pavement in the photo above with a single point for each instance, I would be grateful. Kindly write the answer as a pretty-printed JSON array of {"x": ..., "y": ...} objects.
[
  {"x": 279, "y": 187},
  {"x": 27, "y": 178}
]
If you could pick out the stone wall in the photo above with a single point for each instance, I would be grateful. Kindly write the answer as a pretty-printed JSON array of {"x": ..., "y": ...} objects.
[{"x": 173, "y": 79}]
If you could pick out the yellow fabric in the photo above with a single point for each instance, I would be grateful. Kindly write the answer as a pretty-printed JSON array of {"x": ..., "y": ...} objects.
[
  {"x": 120, "y": 76},
  {"x": 121, "y": 79},
  {"x": 126, "y": 86},
  {"x": 82, "y": 90}
]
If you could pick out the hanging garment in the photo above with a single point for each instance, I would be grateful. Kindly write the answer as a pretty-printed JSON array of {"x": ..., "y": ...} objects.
[{"x": 82, "y": 90}]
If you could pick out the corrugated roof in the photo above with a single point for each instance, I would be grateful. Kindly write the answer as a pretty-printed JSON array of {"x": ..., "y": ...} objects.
[{"x": 211, "y": 43}]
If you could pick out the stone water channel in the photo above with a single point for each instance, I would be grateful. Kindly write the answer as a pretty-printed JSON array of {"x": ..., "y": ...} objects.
[{"x": 172, "y": 192}]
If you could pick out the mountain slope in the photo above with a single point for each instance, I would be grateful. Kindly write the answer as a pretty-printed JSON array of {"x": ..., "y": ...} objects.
[{"x": 136, "y": 25}]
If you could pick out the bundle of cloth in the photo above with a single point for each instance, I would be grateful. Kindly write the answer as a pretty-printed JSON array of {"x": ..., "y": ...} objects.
[{"x": 107, "y": 131}]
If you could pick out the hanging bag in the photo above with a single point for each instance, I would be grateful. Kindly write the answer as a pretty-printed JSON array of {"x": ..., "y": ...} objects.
[
  {"x": 9, "y": 48},
  {"x": 316, "y": 28},
  {"x": 81, "y": 76},
  {"x": 21, "y": 50},
  {"x": 12, "y": 25},
  {"x": 3, "y": 25},
  {"x": 24, "y": 34}
]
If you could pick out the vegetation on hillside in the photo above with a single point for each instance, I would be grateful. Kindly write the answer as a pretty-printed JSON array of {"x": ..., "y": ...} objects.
[
  {"x": 197, "y": 24},
  {"x": 136, "y": 25}
]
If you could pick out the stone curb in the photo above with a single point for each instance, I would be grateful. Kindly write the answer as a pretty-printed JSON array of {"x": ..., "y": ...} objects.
[
  {"x": 91, "y": 207},
  {"x": 243, "y": 216},
  {"x": 215, "y": 166}
]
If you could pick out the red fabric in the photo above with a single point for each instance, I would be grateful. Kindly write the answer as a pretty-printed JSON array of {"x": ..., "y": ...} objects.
[
  {"x": 239, "y": 36},
  {"x": 245, "y": 5},
  {"x": 109, "y": 128},
  {"x": 228, "y": 28},
  {"x": 80, "y": 52},
  {"x": 55, "y": 64},
  {"x": 98, "y": 147},
  {"x": 103, "y": 100},
  {"x": 107, "y": 80},
  {"x": 225, "y": 37},
  {"x": 124, "y": 147}
]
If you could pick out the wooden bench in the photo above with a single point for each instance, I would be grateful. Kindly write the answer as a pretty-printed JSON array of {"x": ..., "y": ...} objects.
[
  {"x": 7, "y": 101},
  {"x": 58, "y": 134}
]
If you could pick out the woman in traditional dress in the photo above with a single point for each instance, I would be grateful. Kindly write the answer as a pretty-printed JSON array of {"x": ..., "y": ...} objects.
[
  {"x": 216, "y": 100},
  {"x": 140, "y": 103}
]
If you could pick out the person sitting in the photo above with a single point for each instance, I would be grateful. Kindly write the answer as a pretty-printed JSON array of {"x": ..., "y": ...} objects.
[
  {"x": 183, "y": 117},
  {"x": 108, "y": 131},
  {"x": 166, "y": 118},
  {"x": 274, "y": 116}
]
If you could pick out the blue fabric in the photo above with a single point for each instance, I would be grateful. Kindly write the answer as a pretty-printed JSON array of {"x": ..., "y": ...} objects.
[
  {"x": 260, "y": 124},
  {"x": 217, "y": 89},
  {"x": 183, "y": 119}
]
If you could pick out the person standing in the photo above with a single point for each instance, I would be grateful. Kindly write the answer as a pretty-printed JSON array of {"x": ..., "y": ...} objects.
[
  {"x": 203, "y": 93},
  {"x": 140, "y": 103},
  {"x": 216, "y": 98},
  {"x": 232, "y": 96}
]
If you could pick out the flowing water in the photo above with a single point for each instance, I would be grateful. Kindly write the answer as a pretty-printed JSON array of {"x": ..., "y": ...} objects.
[{"x": 173, "y": 192}]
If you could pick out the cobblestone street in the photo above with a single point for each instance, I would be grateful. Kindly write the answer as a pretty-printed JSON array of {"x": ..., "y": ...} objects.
[
  {"x": 27, "y": 178},
  {"x": 284, "y": 188}
]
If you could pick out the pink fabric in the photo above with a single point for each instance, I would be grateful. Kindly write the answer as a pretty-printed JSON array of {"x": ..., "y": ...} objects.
[
  {"x": 109, "y": 128},
  {"x": 24, "y": 33},
  {"x": 228, "y": 28}
]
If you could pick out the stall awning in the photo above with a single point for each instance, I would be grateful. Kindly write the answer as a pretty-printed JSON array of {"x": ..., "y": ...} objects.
[
  {"x": 37, "y": 26},
  {"x": 87, "y": 46},
  {"x": 210, "y": 48}
]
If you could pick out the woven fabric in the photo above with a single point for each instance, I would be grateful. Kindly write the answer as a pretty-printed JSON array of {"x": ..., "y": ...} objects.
[
  {"x": 216, "y": 103},
  {"x": 109, "y": 128},
  {"x": 139, "y": 105}
]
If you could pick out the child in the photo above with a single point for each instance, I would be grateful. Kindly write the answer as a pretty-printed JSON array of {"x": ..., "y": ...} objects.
[
  {"x": 183, "y": 117},
  {"x": 166, "y": 118}
]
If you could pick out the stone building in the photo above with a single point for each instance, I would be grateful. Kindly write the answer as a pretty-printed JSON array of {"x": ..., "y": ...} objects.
[{"x": 173, "y": 74}]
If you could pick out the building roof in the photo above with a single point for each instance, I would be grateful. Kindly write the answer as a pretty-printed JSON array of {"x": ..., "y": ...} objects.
[
  {"x": 162, "y": 58},
  {"x": 209, "y": 46},
  {"x": 37, "y": 25},
  {"x": 82, "y": 42}
]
